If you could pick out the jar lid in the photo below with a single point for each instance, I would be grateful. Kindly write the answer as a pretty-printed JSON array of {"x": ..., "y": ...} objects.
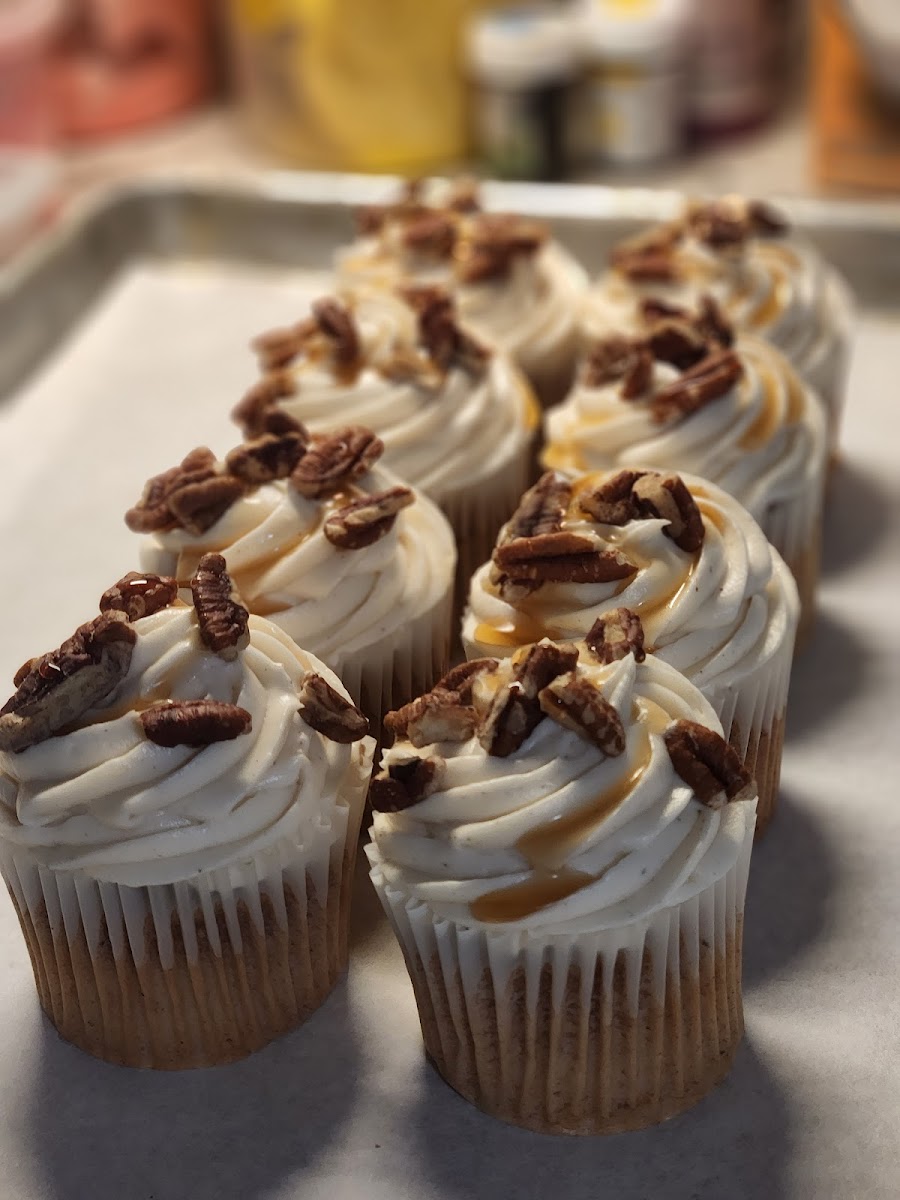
[
  {"x": 521, "y": 46},
  {"x": 628, "y": 29}
]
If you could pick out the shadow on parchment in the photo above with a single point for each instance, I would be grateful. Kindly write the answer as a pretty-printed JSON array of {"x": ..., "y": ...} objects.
[
  {"x": 227, "y": 1133},
  {"x": 858, "y": 515},
  {"x": 830, "y": 671},
  {"x": 734, "y": 1144}
]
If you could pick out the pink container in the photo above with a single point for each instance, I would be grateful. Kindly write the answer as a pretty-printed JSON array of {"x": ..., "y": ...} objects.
[{"x": 27, "y": 28}]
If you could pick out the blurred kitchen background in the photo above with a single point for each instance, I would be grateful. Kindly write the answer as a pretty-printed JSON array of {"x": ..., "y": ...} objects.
[{"x": 784, "y": 97}]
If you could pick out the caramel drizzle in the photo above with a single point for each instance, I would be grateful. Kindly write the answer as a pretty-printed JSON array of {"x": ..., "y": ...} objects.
[{"x": 547, "y": 847}]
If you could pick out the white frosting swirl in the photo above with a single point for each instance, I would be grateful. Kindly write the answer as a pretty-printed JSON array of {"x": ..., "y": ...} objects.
[
  {"x": 763, "y": 441},
  {"x": 715, "y": 614},
  {"x": 105, "y": 800},
  {"x": 781, "y": 291},
  {"x": 336, "y": 602},
  {"x": 442, "y": 439},
  {"x": 531, "y": 311},
  {"x": 557, "y": 837}
]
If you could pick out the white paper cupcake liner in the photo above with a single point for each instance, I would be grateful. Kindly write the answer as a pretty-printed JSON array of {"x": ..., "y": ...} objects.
[
  {"x": 197, "y": 972},
  {"x": 404, "y": 664},
  {"x": 580, "y": 1033}
]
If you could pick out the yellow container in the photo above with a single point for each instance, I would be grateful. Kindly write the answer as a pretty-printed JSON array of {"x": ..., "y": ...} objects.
[{"x": 368, "y": 85}]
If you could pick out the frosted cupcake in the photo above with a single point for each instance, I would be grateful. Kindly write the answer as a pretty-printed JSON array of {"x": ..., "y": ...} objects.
[
  {"x": 678, "y": 561},
  {"x": 561, "y": 844},
  {"x": 180, "y": 794},
  {"x": 514, "y": 286},
  {"x": 457, "y": 420},
  {"x": 768, "y": 283},
  {"x": 354, "y": 566},
  {"x": 680, "y": 398}
]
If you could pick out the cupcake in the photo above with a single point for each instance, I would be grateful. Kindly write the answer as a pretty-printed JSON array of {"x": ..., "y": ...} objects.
[
  {"x": 514, "y": 286},
  {"x": 680, "y": 397},
  {"x": 768, "y": 283},
  {"x": 457, "y": 420},
  {"x": 561, "y": 842},
  {"x": 180, "y": 794},
  {"x": 353, "y": 565},
  {"x": 673, "y": 558}
]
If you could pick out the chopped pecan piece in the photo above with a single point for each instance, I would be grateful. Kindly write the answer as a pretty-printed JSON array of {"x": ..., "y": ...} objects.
[
  {"x": 194, "y": 722},
  {"x": 460, "y": 679},
  {"x": 712, "y": 324},
  {"x": 139, "y": 595},
  {"x": 221, "y": 618},
  {"x": 277, "y": 348},
  {"x": 615, "y": 635},
  {"x": 708, "y": 764},
  {"x": 612, "y": 502},
  {"x": 365, "y": 521},
  {"x": 494, "y": 242},
  {"x": 537, "y": 666},
  {"x": 708, "y": 380},
  {"x": 510, "y": 719},
  {"x": 541, "y": 509},
  {"x": 561, "y": 558},
  {"x": 433, "y": 234},
  {"x": 331, "y": 463},
  {"x": 406, "y": 782},
  {"x": 445, "y": 341},
  {"x": 198, "y": 506},
  {"x": 667, "y": 496},
  {"x": 577, "y": 705},
  {"x": 55, "y": 689},
  {"x": 609, "y": 360},
  {"x": 153, "y": 512},
  {"x": 329, "y": 713},
  {"x": 255, "y": 412},
  {"x": 676, "y": 341},
  {"x": 438, "y": 716},
  {"x": 335, "y": 322},
  {"x": 639, "y": 375},
  {"x": 267, "y": 457}
]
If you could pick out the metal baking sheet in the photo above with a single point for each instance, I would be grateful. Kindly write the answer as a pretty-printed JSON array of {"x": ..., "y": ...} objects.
[{"x": 124, "y": 344}]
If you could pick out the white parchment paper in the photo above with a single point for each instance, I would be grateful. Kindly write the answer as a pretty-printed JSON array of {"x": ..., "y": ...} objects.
[{"x": 347, "y": 1106}]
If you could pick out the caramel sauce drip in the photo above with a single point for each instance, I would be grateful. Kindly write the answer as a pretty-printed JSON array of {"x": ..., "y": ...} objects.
[
  {"x": 769, "y": 422},
  {"x": 547, "y": 847}
]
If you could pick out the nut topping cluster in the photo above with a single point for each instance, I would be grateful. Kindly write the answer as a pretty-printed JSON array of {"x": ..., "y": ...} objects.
[
  {"x": 725, "y": 225},
  {"x": 316, "y": 467},
  {"x": 328, "y": 335},
  {"x": 533, "y": 548},
  {"x": 644, "y": 495},
  {"x": 697, "y": 344}
]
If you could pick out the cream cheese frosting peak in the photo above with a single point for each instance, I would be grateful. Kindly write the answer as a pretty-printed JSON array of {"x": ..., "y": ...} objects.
[
  {"x": 206, "y": 744},
  {"x": 587, "y": 795}
]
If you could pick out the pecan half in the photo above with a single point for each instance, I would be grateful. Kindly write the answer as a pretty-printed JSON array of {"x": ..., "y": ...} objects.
[
  {"x": 406, "y": 782},
  {"x": 331, "y": 463},
  {"x": 615, "y": 635},
  {"x": 438, "y": 716},
  {"x": 153, "y": 511},
  {"x": 329, "y": 713},
  {"x": 577, "y": 705},
  {"x": 708, "y": 380},
  {"x": 55, "y": 689},
  {"x": 493, "y": 242},
  {"x": 609, "y": 360},
  {"x": 267, "y": 457},
  {"x": 541, "y": 509},
  {"x": 460, "y": 679},
  {"x": 198, "y": 506},
  {"x": 667, "y": 496},
  {"x": 612, "y": 502},
  {"x": 676, "y": 341},
  {"x": 139, "y": 595},
  {"x": 335, "y": 322},
  {"x": 255, "y": 411},
  {"x": 221, "y": 618},
  {"x": 537, "y": 666},
  {"x": 445, "y": 341},
  {"x": 277, "y": 348},
  {"x": 194, "y": 722},
  {"x": 433, "y": 234},
  {"x": 365, "y": 521},
  {"x": 708, "y": 764},
  {"x": 510, "y": 719},
  {"x": 560, "y": 558}
]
